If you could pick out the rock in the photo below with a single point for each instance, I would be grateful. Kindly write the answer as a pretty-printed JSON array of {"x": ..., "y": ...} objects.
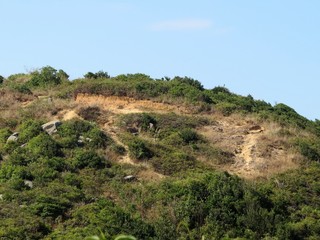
[
  {"x": 14, "y": 137},
  {"x": 82, "y": 139},
  {"x": 256, "y": 129},
  {"x": 28, "y": 183},
  {"x": 129, "y": 178},
  {"x": 51, "y": 127}
]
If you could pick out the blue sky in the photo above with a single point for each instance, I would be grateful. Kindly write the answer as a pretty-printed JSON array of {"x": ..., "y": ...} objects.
[{"x": 269, "y": 49}]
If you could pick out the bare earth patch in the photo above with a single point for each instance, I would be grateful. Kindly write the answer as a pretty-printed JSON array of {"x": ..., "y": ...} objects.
[
  {"x": 125, "y": 105},
  {"x": 258, "y": 151}
]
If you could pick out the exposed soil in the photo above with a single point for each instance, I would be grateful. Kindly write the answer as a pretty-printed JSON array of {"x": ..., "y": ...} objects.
[
  {"x": 257, "y": 151},
  {"x": 125, "y": 105}
]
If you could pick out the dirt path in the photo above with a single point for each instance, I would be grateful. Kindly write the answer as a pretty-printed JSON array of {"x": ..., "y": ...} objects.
[
  {"x": 112, "y": 130},
  {"x": 247, "y": 159},
  {"x": 248, "y": 148}
]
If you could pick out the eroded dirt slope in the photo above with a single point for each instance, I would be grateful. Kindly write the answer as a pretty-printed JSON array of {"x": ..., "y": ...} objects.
[{"x": 258, "y": 150}]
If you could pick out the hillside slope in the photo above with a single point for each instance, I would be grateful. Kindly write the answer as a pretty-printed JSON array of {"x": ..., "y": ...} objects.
[{"x": 153, "y": 158}]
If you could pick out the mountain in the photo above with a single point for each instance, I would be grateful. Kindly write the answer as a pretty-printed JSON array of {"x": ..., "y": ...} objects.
[{"x": 152, "y": 158}]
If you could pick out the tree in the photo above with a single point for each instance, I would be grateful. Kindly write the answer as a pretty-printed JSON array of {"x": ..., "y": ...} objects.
[
  {"x": 63, "y": 75},
  {"x": 100, "y": 74},
  {"x": 47, "y": 76},
  {"x": 1, "y": 79}
]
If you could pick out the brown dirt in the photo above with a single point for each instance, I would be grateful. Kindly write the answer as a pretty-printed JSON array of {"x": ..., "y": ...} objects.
[
  {"x": 125, "y": 105},
  {"x": 258, "y": 151},
  {"x": 68, "y": 115}
]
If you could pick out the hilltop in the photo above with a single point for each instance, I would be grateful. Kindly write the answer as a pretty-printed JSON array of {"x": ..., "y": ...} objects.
[{"x": 154, "y": 158}]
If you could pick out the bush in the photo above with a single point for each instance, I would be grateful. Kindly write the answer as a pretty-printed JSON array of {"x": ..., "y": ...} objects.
[
  {"x": 62, "y": 75},
  {"x": 28, "y": 130},
  {"x": 189, "y": 136},
  {"x": 96, "y": 138},
  {"x": 220, "y": 89},
  {"x": 138, "y": 149},
  {"x": 188, "y": 81},
  {"x": 139, "y": 120},
  {"x": 100, "y": 74},
  {"x": 43, "y": 145},
  {"x": 46, "y": 77},
  {"x": 226, "y": 108},
  {"x": 21, "y": 88},
  {"x": 309, "y": 149},
  {"x": 49, "y": 206},
  {"x": 173, "y": 162},
  {"x": 4, "y": 134},
  {"x": 81, "y": 133},
  {"x": 87, "y": 158},
  {"x": 74, "y": 128},
  {"x": 1, "y": 79}
]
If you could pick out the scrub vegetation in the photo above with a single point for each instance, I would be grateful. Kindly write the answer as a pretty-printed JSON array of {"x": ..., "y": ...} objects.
[{"x": 154, "y": 159}]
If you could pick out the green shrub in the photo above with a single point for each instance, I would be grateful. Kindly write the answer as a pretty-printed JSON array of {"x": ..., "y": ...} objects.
[
  {"x": 43, "y": 145},
  {"x": 173, "y": 162},
  {"x": 18, "y": 77},
  {"x": 139, "y": 120},
  {"x": 286, "y": 115},
  {"x": 19, "y": 223},
  {"x": 188, "y": 81},
  {"x": 21, "y": 88},
  {"x": 72, "y": 179},
  {"x": 46, "y": 77},
  {"x": 189, "y": 136},
  {"x": 4, "y": 134},
  {"x": 309, "y": 149},
  {"x": 42, "y": 173},
  {"x": 74, "y": 128},
  {"x": 1, "y": 79},
  {"x": 138, "y": 149},
  {"x": 219, "y": 89},
  {"x": 8, "y": 170},
  {"x": 68, "y": 142},
  {"x": 49, "y": 206},
  {"x": 226, "y": 108},
  {"x": 10, "y": 147},
  {"x": 119, "y": 149},
  {"x": 88, "y": 158},
  {"x": 21, "y": 156},
  {"x": 111, "y": 218},
  {"x": 100, "y": 74},
  {"x": 62, "y": 75},
  {"x": 81, "y": 133},
  {"x": 28, "y": 130},
  {"x": 96, "y": 138}
]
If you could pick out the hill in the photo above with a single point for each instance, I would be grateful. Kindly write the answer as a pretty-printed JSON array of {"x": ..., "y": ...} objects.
[{"x": 153, "y": 158}]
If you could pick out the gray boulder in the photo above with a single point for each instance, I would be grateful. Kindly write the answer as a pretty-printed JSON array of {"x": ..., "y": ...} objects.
[
  {"x": 13, "y": 137},
  {"x": 51, "y": 127},
  {"x": 129, "y": 178},
  {"x": 28, "y": 183}
]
